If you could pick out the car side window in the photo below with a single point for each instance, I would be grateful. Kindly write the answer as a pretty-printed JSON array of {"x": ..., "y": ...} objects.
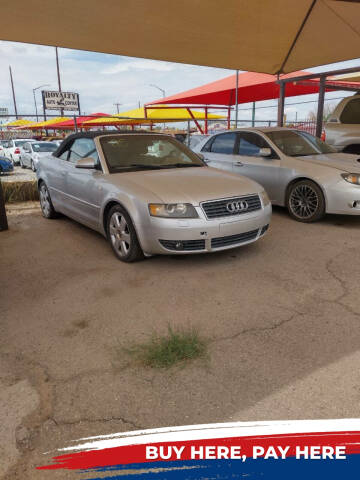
[
  {"x": 223, "y": 143},
  {"x": 83, "y": 147},
  {"x": 250, "y": 144}
]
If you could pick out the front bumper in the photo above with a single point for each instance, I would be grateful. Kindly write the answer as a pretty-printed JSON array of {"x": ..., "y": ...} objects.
[
  {"x": 343, "y": 198},
  {"x": 174, "y": 236}
]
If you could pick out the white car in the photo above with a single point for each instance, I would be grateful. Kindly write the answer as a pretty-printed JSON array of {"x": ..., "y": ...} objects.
[
  {"x": 342, "y": 129},
  {"x": 31, "y": 152},
  {"x": 12, "y": 149}
]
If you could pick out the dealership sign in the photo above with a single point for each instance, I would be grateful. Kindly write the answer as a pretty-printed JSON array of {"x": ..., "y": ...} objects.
[{"x": 60, "y": 100}]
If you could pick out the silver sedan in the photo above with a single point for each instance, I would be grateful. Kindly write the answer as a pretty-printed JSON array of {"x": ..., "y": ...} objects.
[
  {"x": 296, "y": 169},
  {"x": 149, "y": 194},
  {"x": 31, "y": 152}
]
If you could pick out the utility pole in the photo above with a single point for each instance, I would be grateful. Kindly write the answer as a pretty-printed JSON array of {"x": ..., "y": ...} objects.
[
  {"x": 13, "y": 92},
  {"x": 117, "y": 107},
  {"x": 58, "y": 75}
]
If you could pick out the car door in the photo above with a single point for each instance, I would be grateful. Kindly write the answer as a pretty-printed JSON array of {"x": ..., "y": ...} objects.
[
  {"x": 55, "y": 170},
  {"x": 219, "y": 151},
  {"x": 82, "y": 188},
  {"x": 264, "y": 170}
]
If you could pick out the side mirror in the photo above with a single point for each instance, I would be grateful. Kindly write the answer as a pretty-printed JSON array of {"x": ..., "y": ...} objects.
[
  {"x": 265, "y": 152},
  {"x": 86, "y": 162}
]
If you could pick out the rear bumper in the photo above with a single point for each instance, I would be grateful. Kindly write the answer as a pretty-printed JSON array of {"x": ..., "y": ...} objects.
[{"x": 172, "y": 236}]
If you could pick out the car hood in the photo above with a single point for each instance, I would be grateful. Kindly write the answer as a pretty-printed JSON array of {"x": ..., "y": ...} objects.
[
  {"x": 5, "y": 162},
  {"x": 342, "y": 161},
  {"x": 188, "y": 185}
]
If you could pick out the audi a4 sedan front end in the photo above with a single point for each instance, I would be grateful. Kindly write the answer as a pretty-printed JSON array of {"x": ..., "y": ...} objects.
[{"x": 149, "y": 194}]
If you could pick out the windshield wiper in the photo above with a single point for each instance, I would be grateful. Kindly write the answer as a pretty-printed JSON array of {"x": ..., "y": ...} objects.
[
  {"x": 143, "y": 165},
  {"x": 180, "y": 165}
]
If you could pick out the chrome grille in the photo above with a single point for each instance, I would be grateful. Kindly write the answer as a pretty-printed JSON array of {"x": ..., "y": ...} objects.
[
  {"x": 218, "y": 208},
  {"x": 234, "y": 239}
]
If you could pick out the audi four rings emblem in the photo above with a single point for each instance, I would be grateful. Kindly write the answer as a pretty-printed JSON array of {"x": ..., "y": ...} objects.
[{"x": 237, "y": 206}]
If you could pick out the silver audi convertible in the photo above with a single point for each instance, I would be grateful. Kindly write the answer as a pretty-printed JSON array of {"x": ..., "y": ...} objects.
[
  {"x": 150, "y": 194},
  {"x": 296, "y": 169}
]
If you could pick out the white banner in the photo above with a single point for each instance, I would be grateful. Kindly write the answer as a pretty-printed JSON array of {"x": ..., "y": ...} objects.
[{"x": 57, "y": 100}]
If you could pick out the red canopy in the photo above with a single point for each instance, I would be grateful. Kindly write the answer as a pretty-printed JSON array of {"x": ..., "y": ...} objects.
[
  {"x": 253, "y": 87},
  {"x": 70, "y": 124}
]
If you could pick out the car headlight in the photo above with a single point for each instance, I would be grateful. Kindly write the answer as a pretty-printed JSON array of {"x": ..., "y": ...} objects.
[
  {"x": 353, "y": 178},
  {"x": 265, "y": 198},
  {"x": 172, "y": 210}
]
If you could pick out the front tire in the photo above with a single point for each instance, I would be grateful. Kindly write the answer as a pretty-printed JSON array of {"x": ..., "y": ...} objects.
[
  {"x": 47, "y": 207},
  {"x": 122, "y": 235},
  {"x": 305, "y": 201}
]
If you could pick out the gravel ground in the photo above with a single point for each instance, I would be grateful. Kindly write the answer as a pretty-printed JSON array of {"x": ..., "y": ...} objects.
[
  {"x": 19, "y": 175},
  {"x": 281, "y": 317}
]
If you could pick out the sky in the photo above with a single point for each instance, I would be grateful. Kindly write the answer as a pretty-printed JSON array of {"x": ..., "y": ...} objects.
[{"x": 103, "y": 80}]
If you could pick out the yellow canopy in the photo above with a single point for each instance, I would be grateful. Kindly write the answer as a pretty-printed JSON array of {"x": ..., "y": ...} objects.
[
  {"x": 36, "y": 125},
  {"x": 18, "y": 123},
  {"x": 154, "y": 115},
  {"x": 349, "y": 77},
  {"x": 270, "y": 36}
]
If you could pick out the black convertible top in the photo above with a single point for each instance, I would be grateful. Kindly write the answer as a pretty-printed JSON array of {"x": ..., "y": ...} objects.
[{"x": 96, "y": 133}]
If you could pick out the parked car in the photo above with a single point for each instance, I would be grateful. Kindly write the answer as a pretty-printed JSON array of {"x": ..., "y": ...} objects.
[
  {"x": 6, "y": 165},
  {"x": 2, "y": 143},
  {"x": 296, "y": 169},
  {"x": 342, "y": 130},
  {"x": 149, "y": 194},
  {"x": 194, "y": 140},
  {"x": 12, "y": 149},
  {"x": 31, "y": 152}
]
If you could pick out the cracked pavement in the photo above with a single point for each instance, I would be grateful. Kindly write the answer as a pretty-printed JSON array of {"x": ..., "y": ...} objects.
[{"x": 281, "y": 317}]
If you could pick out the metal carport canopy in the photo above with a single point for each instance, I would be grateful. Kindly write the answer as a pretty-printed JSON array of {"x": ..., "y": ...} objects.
[
  {"x": 252, "y": 87},
  {"x": 276, "y": 36}
]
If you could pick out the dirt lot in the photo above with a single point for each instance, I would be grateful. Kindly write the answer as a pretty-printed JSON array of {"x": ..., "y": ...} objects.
[{"x": 282, "y": 317}]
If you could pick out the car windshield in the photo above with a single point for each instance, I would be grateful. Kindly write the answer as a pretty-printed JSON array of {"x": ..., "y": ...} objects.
[
  {"x": 146, "y": 152},
  {"x": 44, "y": 147},
  {"x": 297, "y": 144},
  {"x": 20, "y": 143}
]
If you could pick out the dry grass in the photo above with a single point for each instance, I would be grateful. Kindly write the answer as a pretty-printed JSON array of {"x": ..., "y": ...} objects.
[{"x": 20, "y": 191}]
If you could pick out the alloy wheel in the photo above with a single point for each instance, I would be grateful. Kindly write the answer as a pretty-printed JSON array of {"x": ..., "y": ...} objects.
[
  {"x": 45, "y": 201},
  {"x": 120, "y": 234},
  {"x": 303, "y": 201}
]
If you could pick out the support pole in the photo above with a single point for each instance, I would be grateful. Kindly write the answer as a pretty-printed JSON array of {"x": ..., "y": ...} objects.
[
  {"x": 281, "y": 105},
  {"x": 58, "y": 75},
  {"x": 75, "y": 124},
  {"x": 3, "y": 218},
  {"x": 188, "y": 133},
  {"x": 320, "y": 110},
  {"x": 206, "y": 120},
  {"x": 237, "y": 99},
  {"x": 13, "y": 92},
  {"x": 253, "y": 114},
  {"x": 196, "y": 122},
  {"x": 228, "y": 118}
]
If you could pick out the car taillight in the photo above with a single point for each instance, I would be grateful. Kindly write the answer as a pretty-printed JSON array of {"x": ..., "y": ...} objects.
[{"x": 17, "y": 151}]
